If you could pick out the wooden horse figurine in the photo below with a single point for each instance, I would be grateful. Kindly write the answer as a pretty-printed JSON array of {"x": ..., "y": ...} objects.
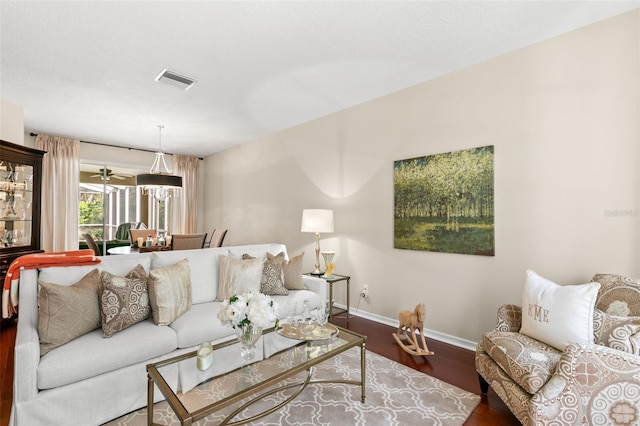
[{"x": 410, "y": 322}]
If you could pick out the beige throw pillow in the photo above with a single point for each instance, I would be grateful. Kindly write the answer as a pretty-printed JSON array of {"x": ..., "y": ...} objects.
[
  {"x": 170, "y": 292},
  {"x": 68, "y": 312},
  {"x": 293, "y": 273},
  {"x": 238, "y": 276},
  {"x": 124, "y": 301},
  {"x": 558, "y": 315}
]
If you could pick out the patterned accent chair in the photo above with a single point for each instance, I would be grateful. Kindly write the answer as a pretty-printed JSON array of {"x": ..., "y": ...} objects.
[{"x": 596, "y": 384}]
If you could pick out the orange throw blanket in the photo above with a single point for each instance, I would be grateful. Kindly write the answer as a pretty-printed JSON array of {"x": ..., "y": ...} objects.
[{"x": 39, "y": 260}]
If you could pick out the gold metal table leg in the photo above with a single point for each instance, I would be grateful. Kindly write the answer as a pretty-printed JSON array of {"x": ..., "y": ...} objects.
[{"x": 363, "y": 370}]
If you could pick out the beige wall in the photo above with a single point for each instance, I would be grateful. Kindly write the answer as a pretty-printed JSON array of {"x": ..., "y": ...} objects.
[
  {"x": 563, "y": 116},
  {"x": 11, "y": 122}
]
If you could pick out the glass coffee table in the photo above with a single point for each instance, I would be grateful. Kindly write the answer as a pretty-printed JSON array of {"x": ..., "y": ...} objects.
[{"x": 207, "y": 390}]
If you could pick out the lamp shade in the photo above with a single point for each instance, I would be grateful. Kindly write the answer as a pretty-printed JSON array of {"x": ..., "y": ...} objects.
[
  {"x": 154, "y": 179},
  {"x": 317, "y": 220}
]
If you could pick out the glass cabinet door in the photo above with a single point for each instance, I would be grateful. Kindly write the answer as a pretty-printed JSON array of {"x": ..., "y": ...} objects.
[{"x": 16, "y": 202}]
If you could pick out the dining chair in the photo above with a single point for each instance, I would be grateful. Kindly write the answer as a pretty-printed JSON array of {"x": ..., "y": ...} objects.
[
  {"x": 134, "y": 234},
  {"x": 218, "y": 237},
  {"x": 187, "y": 241},
  {"x": 207, "y": 243},
  {"x": 92, "y": 244},
  {"x": 122, "y": 232}
]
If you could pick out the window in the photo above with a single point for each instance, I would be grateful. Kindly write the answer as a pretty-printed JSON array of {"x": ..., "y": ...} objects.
[{"x": 108, "y": 199}]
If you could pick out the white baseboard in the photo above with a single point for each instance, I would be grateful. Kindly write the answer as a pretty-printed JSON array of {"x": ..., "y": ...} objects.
[{"x": 432, "y": 334}]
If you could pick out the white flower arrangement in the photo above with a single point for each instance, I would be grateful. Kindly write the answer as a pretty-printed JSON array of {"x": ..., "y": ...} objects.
[{"x": 255, "y": 309}]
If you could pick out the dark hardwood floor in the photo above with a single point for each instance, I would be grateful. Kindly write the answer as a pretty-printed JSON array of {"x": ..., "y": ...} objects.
[
  {"x": 449, "y": 363},
  {"x": 7, "y": 341}
]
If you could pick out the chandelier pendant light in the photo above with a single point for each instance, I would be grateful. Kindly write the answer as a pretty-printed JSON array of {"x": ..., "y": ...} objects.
[{"x": 159, "y": 183}]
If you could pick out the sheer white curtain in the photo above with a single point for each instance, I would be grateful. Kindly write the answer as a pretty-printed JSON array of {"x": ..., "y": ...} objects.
[
  {"x": 60, "y": 182},
  {"x": 185, "y": 207}
]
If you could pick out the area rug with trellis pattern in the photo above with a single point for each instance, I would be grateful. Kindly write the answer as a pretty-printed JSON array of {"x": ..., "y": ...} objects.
[{"x": 395, "y": 395}]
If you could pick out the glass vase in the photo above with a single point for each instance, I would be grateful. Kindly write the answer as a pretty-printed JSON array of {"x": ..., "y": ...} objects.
[
  {"x": 328, "y": 262},
  {"x": 248, "y": 336}
]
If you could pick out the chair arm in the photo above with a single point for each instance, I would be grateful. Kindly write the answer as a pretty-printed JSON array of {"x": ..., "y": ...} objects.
[
  {"x": 591, "y": 382},
  {"x": 27, "y": 346},
  {"x": 509, "y": 318},
  {"x": 635, "y": 343},
  {"x": 317, "y": 285}
]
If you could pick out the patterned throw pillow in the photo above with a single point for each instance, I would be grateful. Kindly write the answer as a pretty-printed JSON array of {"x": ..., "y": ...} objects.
[
  {"x": 273, "y": 276},
  {"x": 238, "y": 276},
  {"x": 170, "y": 292},
  {"x": 621, "y": 333},
  {"x": 67, "y": 312},
  {"x": 293, "y": 273},
  {"x": 618, "y": 295},
  {"x": 124, "y": 300}
]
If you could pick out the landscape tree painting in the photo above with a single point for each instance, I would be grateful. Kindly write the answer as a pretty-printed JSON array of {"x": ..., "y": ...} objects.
[{"x": 444, "y": 202}]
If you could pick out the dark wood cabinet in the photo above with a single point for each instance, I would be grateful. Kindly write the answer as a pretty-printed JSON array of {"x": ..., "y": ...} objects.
[{"x": 20, "y": 188}]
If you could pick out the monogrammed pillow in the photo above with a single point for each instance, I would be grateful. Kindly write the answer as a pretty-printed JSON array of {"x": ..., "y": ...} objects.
[{"x": 558, "y": 315}]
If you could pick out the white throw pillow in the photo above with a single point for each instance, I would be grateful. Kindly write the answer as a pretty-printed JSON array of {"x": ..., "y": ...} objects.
[{"x": 558, "y": 315}]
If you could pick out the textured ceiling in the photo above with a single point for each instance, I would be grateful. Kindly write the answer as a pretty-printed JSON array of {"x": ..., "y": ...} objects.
[{"x": 86, "y": 69}]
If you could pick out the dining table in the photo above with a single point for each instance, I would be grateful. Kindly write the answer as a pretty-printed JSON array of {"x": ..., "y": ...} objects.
[{"x": 123, "y": 250}]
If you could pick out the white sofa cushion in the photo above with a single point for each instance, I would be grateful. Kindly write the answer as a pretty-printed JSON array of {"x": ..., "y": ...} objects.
[
  {"x": 117, "y": 265},
  {"x": 203, "y": 266},
  {"x": 257, "y": 250},
  {"x": 200, "y": 324},
  {"x": 91, "y": 354},
  {"x": 558, "y": 315}
]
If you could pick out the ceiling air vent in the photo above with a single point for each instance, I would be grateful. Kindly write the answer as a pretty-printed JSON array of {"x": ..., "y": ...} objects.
[{"x": 175, "y": 79}]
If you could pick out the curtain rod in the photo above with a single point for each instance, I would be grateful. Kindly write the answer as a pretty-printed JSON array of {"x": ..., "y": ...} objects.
[{"x": 116, "y": 146}]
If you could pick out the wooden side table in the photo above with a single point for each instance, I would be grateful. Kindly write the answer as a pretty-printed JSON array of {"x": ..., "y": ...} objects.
[{"x": 336, "y": 278}]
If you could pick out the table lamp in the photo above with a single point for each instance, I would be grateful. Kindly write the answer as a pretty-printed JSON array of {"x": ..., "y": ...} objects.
[{"x": 317, "y": 221}]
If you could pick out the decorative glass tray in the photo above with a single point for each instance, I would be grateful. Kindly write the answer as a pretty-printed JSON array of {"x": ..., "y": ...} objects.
[{"x": 324, "y": 332}]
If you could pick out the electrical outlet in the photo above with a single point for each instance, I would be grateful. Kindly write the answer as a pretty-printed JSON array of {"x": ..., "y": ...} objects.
[{"x": 365, "y": 291}]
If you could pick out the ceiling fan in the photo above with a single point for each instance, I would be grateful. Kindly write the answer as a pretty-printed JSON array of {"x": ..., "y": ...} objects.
[{"x": 107, "y": 174}]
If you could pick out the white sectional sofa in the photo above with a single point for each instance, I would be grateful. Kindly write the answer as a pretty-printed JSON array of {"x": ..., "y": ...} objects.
[{"x": 92, "y": 379}]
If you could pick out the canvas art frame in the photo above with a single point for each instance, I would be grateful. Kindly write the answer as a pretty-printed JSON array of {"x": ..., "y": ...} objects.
[{"x": 445, "y": 202}]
